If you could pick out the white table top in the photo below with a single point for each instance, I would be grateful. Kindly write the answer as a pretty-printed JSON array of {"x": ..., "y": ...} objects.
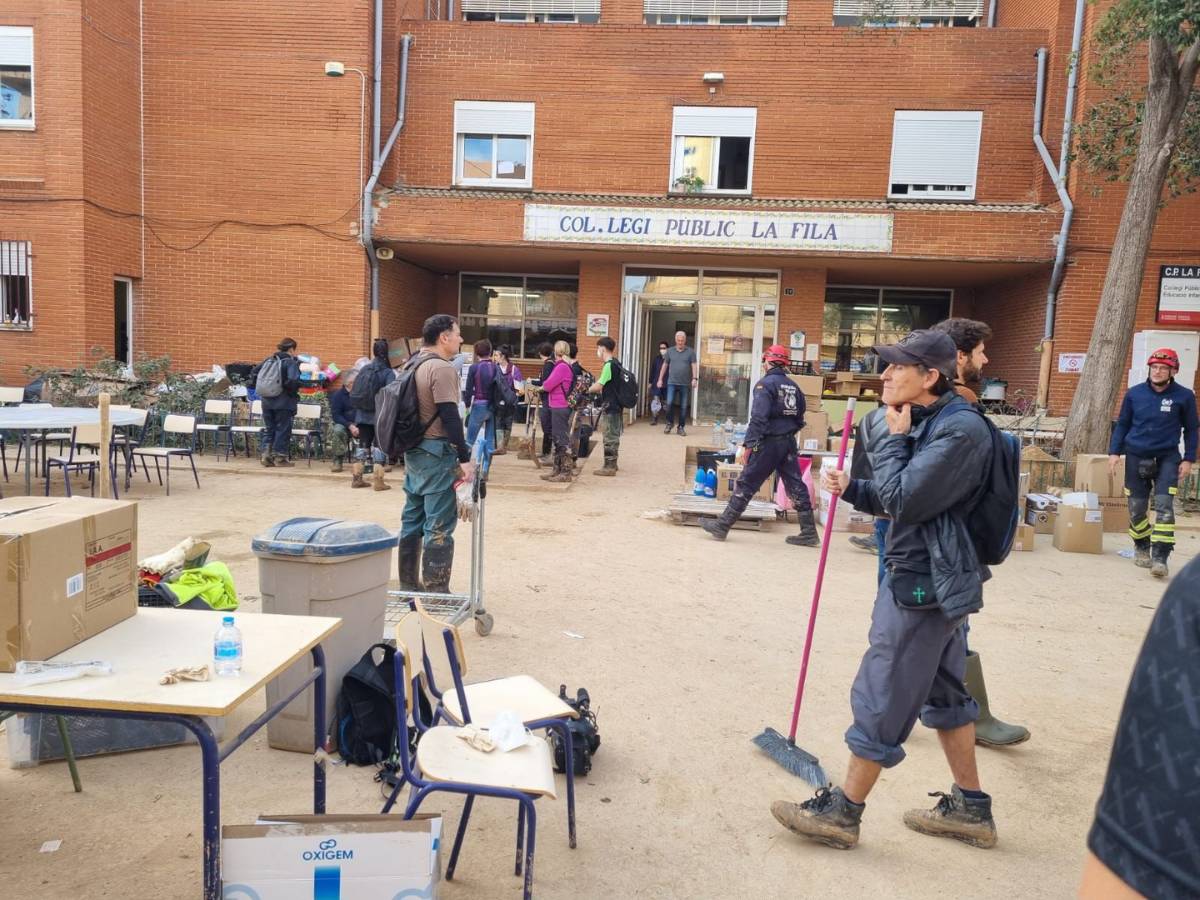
[
  {"x": 28, "y": 418},
  {"x": 143, "y": 647}
]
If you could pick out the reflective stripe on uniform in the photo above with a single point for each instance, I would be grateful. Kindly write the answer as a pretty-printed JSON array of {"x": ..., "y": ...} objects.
[{"x": 1139, "y": 531}]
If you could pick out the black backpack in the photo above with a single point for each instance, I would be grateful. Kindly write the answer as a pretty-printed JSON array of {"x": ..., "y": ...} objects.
[
  {"x": 365, "y": 713},
  {"x": 398, "y": 425},
  {"x": 367, "y": 385},
  {"x": 626, "y": 385},
  {"x": 503, "y": 398},
  {"x": 585, "y": 738},
  {"x": 994, "y": 513}
]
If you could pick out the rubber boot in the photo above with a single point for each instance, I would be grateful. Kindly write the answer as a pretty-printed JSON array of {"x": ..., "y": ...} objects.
[
  {"x": 828, "y": 818},
  {"x": 410, "y": 563},
  {"x": 1158, "y": 560},
  {"x": 808, "y": 531},
  {"x": 377, "y": 481},
  {"x": 1141, "y": 553},
  {"x": 564, "y": 467},
  {"x": 501, "y": 443},
  {"x": 610, "y": 466},
  {"x": 965, "y": 819},
  {"x": 337, "y": 464},
  {"x": 554, "y": 471},
  {"x": 989, "y": 731},
  {"x": 356, "y": 475},
  {"x": 283, "y": 462},
  {"x": 267, "y": 460},
  {"x": 437, "y": 560},
  {"x": 719, "y": 527}
]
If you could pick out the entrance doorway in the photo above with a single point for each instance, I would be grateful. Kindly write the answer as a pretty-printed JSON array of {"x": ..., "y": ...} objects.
[
  {"x": 123, "y": 321},
  {"x": 728, "y": 317}
]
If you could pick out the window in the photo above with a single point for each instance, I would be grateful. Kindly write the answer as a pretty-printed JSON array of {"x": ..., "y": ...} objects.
[
  {"x": 712, "y": 149},
  {"x": 934, "y": 155},
  {"x": 493, "y": 143},
  {"x": 519, "y": 310},
  {"x": 16, "y": 304},
  {"x": 16, "y": 77},
  {"x": 908, "y": 13},
  {"x": 552, "y": 18},
  {"x": 552, "y": 11},
  {"x": 858, "y": 318},
  {"x": 715, "y": 12}
]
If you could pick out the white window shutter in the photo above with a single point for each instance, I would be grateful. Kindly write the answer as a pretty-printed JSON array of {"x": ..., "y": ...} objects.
[
  {"x": 486, "y": 117},
  {"x": 13, "y": 257},
  {"x": 909, "y": 9},
  {"x": 16, "y": 45},
  {"x": 936, "y": 148},
  {"x": 715, "y": 8},
  {"x": 715, "y": 121},
  {"x": 543, "y": 7}
]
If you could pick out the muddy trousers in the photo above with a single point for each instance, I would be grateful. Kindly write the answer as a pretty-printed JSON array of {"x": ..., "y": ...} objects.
[
  {"x": 1156, "y": 476},
  {"x": 613, "y": 426},
  {"x": 430, "y": 514}
]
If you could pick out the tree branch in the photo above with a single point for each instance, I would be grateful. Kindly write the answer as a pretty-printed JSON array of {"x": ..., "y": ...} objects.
[{"x": 1188, "y": 66}]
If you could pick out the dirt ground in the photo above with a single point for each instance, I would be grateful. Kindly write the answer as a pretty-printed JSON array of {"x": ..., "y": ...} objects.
[{"x": 689, "y": 648}]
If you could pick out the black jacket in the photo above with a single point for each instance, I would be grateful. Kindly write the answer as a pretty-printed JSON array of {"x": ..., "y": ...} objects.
[
  {"x": 923, "y": 481},
  {"x": 776, "y": 407},
  {"x": 289, "y": 398}
]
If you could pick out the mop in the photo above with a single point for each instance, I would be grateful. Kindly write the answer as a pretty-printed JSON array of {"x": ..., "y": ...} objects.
[{"x": 784, "y": 751}]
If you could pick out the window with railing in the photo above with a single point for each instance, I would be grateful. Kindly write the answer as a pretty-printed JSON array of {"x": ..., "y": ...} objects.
[
  {"x": 548, "y": 11},
  {"x": 908, "y": 13},
  {"x": 16, "y": 294},
  {"x": 715, "y": 12}
]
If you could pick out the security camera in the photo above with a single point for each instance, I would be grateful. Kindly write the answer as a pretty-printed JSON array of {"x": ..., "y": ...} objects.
[
  {"x": 714, "y": 77},
  {"x": 335, "y": 69},
  {"x": 384, "y": 253}
]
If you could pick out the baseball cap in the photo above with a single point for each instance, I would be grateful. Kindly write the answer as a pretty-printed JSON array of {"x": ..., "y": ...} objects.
[{"x": 932, "y": 349}]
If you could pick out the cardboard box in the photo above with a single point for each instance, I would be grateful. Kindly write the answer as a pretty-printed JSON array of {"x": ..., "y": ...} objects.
[
  {"x": 1040, "y": 511},
  {"x": 811, "y": 386},
  {"x": 72, "y": 569},
  {"x": 1079, "y": 530},
  {"x": 1085, "y": 499},
  {"x": 727, "y": 476},
  {"x": 1115, "y": 513},
  {"x": 1091, "y": 474},
  {"x": 1024, "y": 539},
  {"x": 816, "y": 427},
  {"x": 300, "y": 857}
]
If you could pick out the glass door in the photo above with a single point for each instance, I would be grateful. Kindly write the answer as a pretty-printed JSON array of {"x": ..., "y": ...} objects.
[{"x": 727, "y": 348}]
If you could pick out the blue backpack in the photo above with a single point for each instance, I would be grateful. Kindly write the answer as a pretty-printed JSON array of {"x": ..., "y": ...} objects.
[{"x": 994, "y": 512}]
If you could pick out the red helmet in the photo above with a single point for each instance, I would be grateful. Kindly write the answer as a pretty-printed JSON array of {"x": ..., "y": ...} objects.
[
  {"x": 1164, "y": 356},
  {"x": 777, "y": 353}
]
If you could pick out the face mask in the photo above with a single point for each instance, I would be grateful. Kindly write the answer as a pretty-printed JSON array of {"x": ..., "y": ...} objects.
[
  {"x": 663, "y": 351},
  {"x": 599, "y": 353}
]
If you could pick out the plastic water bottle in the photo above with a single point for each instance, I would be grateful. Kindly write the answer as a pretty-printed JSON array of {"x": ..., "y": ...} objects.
[
  {"x": 727, "y": 434},
  {"x": 710, "y": 483},
  {"x": 227, "y": 648},
  {"x": 698, "y": 484}
]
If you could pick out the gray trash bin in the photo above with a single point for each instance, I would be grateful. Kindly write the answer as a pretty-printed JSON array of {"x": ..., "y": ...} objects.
[{"x": 322, "y": 567}]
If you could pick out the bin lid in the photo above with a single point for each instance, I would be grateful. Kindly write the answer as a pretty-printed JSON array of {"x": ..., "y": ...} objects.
[{"x": 310, "y": 536}]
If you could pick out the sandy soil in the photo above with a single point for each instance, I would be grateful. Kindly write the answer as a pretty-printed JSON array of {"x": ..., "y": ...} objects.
[{"x": 689, "y": 649}]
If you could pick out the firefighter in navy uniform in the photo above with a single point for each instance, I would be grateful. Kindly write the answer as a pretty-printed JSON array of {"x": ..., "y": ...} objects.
[{"x": 776, "y": 414}]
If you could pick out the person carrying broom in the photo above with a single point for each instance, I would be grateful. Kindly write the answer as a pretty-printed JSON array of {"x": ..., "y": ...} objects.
[{"x": 926, "y": 468}]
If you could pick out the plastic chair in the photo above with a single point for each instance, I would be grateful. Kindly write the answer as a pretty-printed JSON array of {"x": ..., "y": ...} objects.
[
  {"x": 443, "y": 762},
  {"x": 251, "y": 430},
  {"x": 310, "y": 412},
  {"x": 458, "y": 703},
  {"x": 172, "y": 425},
  {"x": 217, "y": 409},
  {"x": 79, "y": 457}
]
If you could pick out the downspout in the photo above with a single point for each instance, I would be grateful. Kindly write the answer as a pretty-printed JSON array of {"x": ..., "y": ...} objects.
[
  {"x": 991, "y": 18},
  {"x": 380, "y": 157},
  {"x": 1059, "y": 175}
]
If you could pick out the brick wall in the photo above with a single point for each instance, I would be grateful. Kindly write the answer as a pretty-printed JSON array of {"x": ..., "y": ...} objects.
[{"x": 407, "y": 297}]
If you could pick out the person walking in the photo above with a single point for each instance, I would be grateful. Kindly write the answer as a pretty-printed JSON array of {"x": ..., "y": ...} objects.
[
  {"x": 276, "y": 380},
  {"x": 606, "y": 387},
  {"x": 776, "y": 414},
  {"x": 370, "y": 380},
  {"x": 511, "y": 373},
  {"x": 341, "y": 411},
  {"x": 431, "y": 468},
  {"x": 477, "y": 396},
  {"x": 557, "y": 388},
  {"x": 927, "y": 469},
  {"x": 1153, "y": 416},
  {"x": 679, "y": 375},
  {"x": 657, "y": 392}
]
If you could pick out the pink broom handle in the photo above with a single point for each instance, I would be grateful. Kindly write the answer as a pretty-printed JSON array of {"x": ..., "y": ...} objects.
[{"x": 847, "y": 424}]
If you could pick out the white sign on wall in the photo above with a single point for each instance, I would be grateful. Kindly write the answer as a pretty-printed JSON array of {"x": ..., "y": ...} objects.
[
  {"x": 1071, "y": 363},
  {"x": 800, "y": 230}
]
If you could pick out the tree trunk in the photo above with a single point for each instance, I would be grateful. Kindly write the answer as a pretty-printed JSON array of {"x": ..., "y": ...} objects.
[{"x": 1103, "y": 376}]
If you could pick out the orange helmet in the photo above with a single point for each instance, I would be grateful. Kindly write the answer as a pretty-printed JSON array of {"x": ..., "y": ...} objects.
[
  {"x": 776, "y": 353},
  {"x": 1164, "y": 356}
]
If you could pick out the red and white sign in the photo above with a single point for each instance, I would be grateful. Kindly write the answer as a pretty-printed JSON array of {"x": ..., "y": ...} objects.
[{"x": 1071, "y": 363}]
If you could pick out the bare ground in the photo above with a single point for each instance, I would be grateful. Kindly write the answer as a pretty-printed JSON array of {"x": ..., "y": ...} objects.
[{"x": 689, "y": 648}]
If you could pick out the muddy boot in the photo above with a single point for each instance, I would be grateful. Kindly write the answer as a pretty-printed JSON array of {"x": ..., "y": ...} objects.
[
  {"x": 356, "y": 476},
  {"x": 377, "y": 481},
  {"x": 1158, "y": 560},
  {"x": 1141, "y": 554},
  {"x": 337, "y": 465},
  {"x": 437, "y": 560},
  {"x": 989, "y": 731},
  {"x": 719, "y": 527},
  {"x": 966, "y": 819},
  {"x": 283, "y": 462},
  {"x": 546, "y": 460},
  {"x": 267, "y": 460},
  {"x": 501, "y": 443},
  {"x": 410, "y": 563},
  {"x": 828, "y": 818},
  {"x": 554, "y": 472},
  {"x": 808, "y": 532},
  {"x": 610, "y": 466},
  {"x": 865, "y": 542}
]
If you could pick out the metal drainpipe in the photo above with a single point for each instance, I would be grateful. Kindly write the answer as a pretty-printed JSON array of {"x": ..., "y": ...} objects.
[
  {"x": 368, "y": 223},
  {"x": 991, "y": 17}
]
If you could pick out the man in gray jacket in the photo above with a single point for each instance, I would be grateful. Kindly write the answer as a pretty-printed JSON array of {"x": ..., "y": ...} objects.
[{"x": 927, "y": 471}]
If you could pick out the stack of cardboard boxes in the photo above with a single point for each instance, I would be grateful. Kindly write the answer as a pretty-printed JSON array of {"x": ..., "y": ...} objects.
[
  {"x": 1079, "y": 518},
  {"x": 815, "y": 434},
  {"x": 1092, "y": 474}
]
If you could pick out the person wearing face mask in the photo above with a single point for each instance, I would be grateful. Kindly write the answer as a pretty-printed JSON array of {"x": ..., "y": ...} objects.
[{"x": 656, "y": 390}]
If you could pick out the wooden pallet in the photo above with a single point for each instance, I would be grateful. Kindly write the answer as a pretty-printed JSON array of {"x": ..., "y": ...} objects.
[{"x": 688, "y": 509}]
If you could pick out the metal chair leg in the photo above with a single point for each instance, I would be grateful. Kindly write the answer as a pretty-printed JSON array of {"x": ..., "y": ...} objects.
[
  {"x": 69, "y": 752},
  {"x": 194, "y": 473},
  {"x": 458, "y": 837},
  {"x": 520, "y": 836}
]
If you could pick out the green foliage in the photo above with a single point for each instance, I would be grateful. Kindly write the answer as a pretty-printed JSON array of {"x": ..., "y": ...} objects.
[{"x": 1109, "y": 133}]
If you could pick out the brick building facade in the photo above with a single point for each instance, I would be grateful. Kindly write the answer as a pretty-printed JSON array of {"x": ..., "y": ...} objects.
[{"x": 206, "y": 159}]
